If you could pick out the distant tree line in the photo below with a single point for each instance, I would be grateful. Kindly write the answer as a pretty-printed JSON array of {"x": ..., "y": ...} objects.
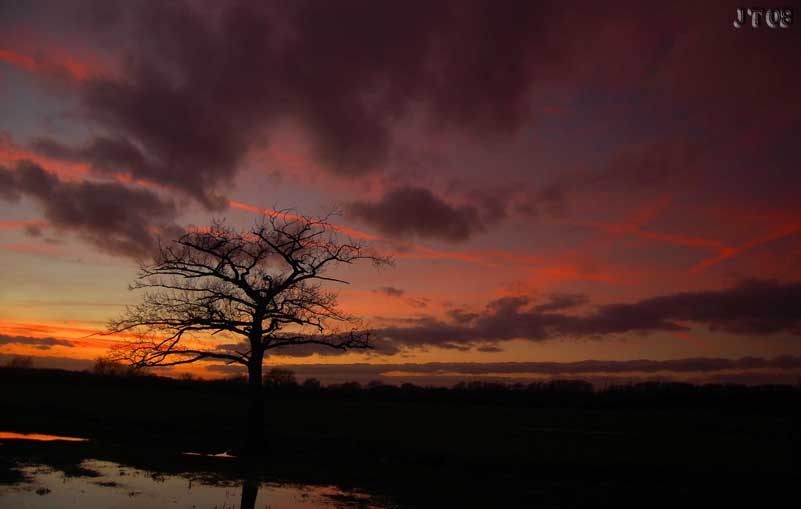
[
  {"x": 281, "y": 383},
  {"x": 19, "y": 362}
]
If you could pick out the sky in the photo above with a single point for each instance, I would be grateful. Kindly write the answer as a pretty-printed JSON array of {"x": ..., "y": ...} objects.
[{"x": 606, "y": 191}]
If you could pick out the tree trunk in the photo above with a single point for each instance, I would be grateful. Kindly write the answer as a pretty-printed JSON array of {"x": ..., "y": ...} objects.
[{"x": 255, "y": 442}]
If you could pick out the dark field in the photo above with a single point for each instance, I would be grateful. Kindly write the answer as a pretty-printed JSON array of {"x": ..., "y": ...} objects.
[{"x": 482, "y": 446}]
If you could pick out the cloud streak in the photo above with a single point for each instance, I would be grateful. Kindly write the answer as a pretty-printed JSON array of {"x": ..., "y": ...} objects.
[
  {"x": 752, "y": 307},
  {"x": 688, "y": 365},
  {"x": 747, "y": 370},
  {"x": 44, "y": 343}
]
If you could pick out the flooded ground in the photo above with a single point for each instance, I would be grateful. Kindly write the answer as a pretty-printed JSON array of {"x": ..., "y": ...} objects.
[
  {"x": 39, "y": 437},
  {"x": 104, "y": 484},
  {"x": 93, "y": 483}
]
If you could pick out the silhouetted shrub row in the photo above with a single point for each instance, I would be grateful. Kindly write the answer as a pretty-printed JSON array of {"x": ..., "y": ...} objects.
[
  {"x": 780, "y": 399},
  {"x": 775, "y": 399}
]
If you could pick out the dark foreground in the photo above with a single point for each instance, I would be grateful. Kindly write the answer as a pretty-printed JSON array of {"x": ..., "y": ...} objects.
[{"x": 483, "y": 446}]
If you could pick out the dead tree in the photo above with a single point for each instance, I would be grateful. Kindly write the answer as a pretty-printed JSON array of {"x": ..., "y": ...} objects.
[{"x": 265, "y": 286}]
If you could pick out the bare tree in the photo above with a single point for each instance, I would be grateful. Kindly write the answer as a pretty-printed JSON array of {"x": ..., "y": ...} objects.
[{"x": 266, "y": 287}]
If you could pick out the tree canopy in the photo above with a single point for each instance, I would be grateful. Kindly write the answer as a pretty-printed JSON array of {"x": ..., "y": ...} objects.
[{"x": 266, "y": 286}]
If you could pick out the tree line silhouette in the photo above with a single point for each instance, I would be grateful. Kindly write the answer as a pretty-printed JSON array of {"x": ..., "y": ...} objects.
[{"x": 282, "y": 384}]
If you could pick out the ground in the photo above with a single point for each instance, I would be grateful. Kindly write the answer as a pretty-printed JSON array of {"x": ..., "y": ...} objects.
[{"x": 418, "y": 452}]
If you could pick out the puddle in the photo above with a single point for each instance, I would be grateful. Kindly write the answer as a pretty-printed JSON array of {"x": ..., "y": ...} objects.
[
  {"x": 120, "y": 487},
  {"x": 7, "y": 435},
  {"x": 220, "y": 455}
]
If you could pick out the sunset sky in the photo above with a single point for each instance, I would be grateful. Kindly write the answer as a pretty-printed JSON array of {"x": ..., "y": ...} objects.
[{"x": 558, "y": 182}]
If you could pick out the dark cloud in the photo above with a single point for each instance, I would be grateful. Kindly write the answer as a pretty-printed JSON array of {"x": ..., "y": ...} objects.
[
  {"x": 464, "y": 210},
  {"x": 105, "y": 155},
  {"x": 751, "y": 307},
  {"x": 751, "y": 370},
  {"x": 418, "y": 303},
  {"x": 326, "y": 351},
  {"x": 8, "y": 185},
  {"x": 203, "y": 83},
  {"x": 496, "y": 203},
  {"x": 390, "y": 291},
  {"x": 461, "y": 316},
  {"x": 697, "y": 364},
  {"x": 39, "y": 343},
  {"x": 414, "y": 211},
  {"x": 560, "y": 301},
  {"x": 34, "y": 230},
  {"x": 115, "y": 218}
]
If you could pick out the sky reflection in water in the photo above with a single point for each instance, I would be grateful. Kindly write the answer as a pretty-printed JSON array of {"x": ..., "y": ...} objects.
[
  {"x": 7, "y": 435},
  {"x": 121, "y": 487}
]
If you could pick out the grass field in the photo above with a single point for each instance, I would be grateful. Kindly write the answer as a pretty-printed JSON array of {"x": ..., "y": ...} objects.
[{"x": 421, "y": 451}]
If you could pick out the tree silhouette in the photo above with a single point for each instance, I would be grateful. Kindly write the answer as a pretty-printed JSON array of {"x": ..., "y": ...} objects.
[{"x": 264, "y": 286}]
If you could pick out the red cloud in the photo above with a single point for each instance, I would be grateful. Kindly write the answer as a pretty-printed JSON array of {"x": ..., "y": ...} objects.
[{"x": 52, "y": 64}]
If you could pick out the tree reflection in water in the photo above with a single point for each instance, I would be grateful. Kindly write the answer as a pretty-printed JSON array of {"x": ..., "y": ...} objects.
[{"x": 250, "y": 490}]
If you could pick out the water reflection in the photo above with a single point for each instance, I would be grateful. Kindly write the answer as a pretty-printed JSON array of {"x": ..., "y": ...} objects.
[
  {"x": 219, "y": 455},
  {"x": 114, "y": 485},
  {"x": 7, "y": 435},
  {"x": 250, "y": 492}
]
